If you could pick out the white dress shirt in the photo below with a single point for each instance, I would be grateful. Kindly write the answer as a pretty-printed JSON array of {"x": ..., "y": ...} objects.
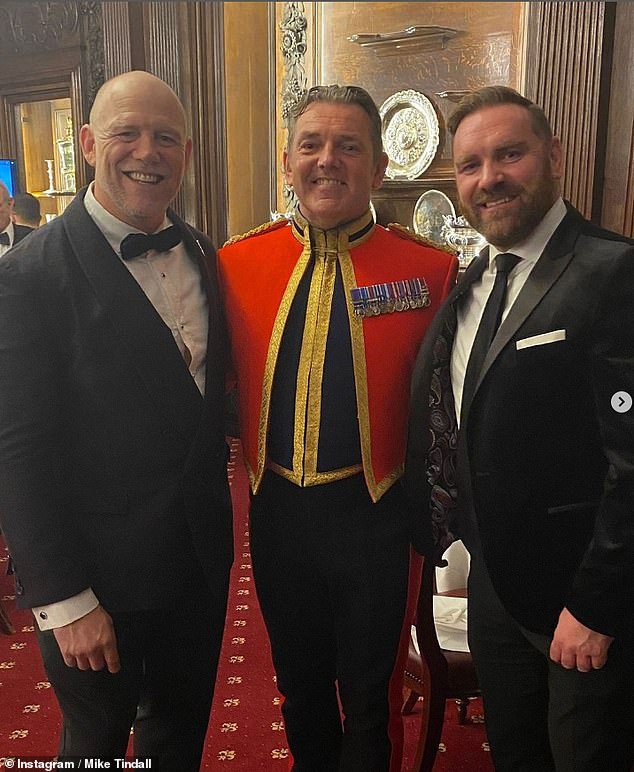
[
  {"x": 11, "y": 233},
  {"x": 173, "y": 284},
  {"x": 472, "y": 307}
]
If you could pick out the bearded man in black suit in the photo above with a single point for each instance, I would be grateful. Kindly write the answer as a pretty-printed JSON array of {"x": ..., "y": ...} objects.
[
  {"x": 532, "y": 357},
  {"x": 113, "y": 490}
]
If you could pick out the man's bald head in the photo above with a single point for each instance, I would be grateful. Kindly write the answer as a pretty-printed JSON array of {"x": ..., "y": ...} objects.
[
  {"x": 137, "y": 141},
  {"x": 128, "y": 85},
  {"x": 6, "y": 206}
]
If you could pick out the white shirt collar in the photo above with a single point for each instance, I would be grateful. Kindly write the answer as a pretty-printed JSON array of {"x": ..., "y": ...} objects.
[
  {"x": 113, "y": 229},
  {"x": 11, "y": 231},
  {"x": 531, "y": 248}
]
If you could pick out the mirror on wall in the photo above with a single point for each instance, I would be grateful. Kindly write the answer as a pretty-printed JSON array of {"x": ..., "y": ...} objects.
[{"x": 46, "y": 140}]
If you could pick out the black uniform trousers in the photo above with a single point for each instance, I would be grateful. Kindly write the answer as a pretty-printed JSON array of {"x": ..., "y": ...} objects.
[
  {"x": 331, "y": 574},
  {"x": 164, "y": 689},
  {"x": 539, "y": 716}
]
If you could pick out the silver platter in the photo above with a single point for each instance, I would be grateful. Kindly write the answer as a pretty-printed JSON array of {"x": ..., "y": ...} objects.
[
  {"x": 410, "y": 134},
  {"x": 430, "y": 212}
]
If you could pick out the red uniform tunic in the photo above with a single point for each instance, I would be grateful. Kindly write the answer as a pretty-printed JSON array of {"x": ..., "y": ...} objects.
[{"x": 260, "y": 273}]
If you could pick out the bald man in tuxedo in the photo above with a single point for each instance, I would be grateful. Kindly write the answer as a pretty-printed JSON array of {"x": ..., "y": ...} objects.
[{"x": 113, "y": 489}]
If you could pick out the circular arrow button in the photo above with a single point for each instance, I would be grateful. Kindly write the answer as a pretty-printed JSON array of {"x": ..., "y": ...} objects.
[{"x": 621, "y": 401}]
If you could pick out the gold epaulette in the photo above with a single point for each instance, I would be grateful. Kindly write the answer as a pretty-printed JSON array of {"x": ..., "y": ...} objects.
[
  {"x": 406, "y": 233},
  {"x": 267, "y": 226}
]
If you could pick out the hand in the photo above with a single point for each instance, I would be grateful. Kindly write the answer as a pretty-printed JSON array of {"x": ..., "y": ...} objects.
[
  {"x": 89, "y": 643},
  {"x": 576, "y": 646}
]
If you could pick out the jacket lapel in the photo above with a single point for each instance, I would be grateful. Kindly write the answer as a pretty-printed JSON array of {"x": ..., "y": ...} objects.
[
  {"x": 141, "y": 331},
  {"x": 552, "y": 263},
  {"x": 205, "y": 260},
  {"x": 211, "y": 424}
]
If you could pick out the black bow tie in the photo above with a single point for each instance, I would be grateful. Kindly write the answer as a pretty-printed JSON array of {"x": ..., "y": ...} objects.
[
  {"x": 135, "y": 244},
  {"x": 4, "y": 239}
]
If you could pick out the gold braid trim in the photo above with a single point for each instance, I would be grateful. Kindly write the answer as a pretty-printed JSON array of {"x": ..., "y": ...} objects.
[
  {"x": 267, "y": 226},
  {"x": 406, "y": 233}
]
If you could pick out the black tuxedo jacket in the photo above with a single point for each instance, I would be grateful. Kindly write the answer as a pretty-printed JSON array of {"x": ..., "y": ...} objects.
[
  {"x": 20, "y": 231},
  {"x": 546, "y": 466},
  {"x": 112, "y": 464}
]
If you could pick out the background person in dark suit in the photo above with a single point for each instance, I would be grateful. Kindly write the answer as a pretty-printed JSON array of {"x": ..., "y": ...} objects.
[
  {"x": 113, "y": 491},
  {"x": 543, "y": 490},
  {"x": 10, "y": 233},
  {"x": 26, "y": 210}
]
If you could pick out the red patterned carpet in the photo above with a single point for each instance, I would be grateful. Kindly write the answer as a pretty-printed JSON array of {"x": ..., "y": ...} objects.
[{"x": 246, "y": 732}]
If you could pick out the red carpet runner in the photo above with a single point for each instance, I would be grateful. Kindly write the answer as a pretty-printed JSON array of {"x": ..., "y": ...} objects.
[{"x": 246, "y": 732}]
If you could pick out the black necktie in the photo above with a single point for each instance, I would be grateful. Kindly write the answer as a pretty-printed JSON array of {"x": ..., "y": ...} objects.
[
  {"x": 489, "y": 324},
  {"x": 135, "y": 244},
  {"x": 4, "y": 239}
]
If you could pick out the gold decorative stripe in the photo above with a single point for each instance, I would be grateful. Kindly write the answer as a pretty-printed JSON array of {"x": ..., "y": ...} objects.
[
  {"x": 271, "y": 360},
  {"x": 267, "y": 226},
  {"x": 318, "y": 478},
  {"x": 406, "y": 233},
  {"x": 287, "y": 474},
  {"x": 357, "y": 231},
  {"x": 363, "y": 229},
  {"x": 318, "y": 360},
  {"x": 304, "y": 368},
  {"x": 387, "y": 482},
  {"x": 360, "y": 375},
  {"x": 252, "y": 476}
]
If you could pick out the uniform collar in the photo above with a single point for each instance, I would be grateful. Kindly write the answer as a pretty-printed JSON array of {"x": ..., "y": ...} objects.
[{"x": 346, "y": 235}]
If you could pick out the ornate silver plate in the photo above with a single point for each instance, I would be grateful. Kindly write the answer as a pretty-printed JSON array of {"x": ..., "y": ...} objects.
[
  {"x": 410, "y": 134},
  {"x": 429, "y": 215}
]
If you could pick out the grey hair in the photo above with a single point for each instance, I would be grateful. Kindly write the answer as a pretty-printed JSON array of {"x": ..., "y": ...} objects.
[{"x": 354, "y": 95}]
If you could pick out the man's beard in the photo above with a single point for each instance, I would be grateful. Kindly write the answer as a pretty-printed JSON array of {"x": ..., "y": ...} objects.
[{"x": 514, "y": 228}]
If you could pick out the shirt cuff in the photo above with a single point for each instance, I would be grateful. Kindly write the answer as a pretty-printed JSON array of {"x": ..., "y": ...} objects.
[{"x": 65, "y": 611}]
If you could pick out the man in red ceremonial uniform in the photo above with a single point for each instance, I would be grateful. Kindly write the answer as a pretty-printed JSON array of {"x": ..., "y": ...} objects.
[{"x": 326, "y": 313}]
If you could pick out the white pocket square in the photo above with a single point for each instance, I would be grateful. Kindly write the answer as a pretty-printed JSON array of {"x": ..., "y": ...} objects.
[{"x": 541, "y": 340}]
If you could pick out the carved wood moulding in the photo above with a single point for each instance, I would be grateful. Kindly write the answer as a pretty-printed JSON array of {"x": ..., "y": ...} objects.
[
  {"x": 293, "y": 47},
  {"x": 28, "y": 27},
  {"x": 116, "y": 38},
  {"x": 93, "y": 57}
]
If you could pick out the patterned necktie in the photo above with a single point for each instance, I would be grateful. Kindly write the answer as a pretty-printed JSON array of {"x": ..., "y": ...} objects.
[
  {"x": 135, "y": 244},
  {"x": 489, "y": 323},
  {"x": 4, "y": 239}
]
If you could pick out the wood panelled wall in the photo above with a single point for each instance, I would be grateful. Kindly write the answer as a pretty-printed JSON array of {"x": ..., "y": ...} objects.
[
  {"x": 221, "y": 58},
  {"x": 575, "y": 59},
  {"x": 568, "y": 67},
  {"x": 216, "y": 57},
  {"x": 618, "y": 191},
  {"x": 182, "y": 43},
  {"x": 48, "y": 50},
  {"x": 250, "y": 113}
]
